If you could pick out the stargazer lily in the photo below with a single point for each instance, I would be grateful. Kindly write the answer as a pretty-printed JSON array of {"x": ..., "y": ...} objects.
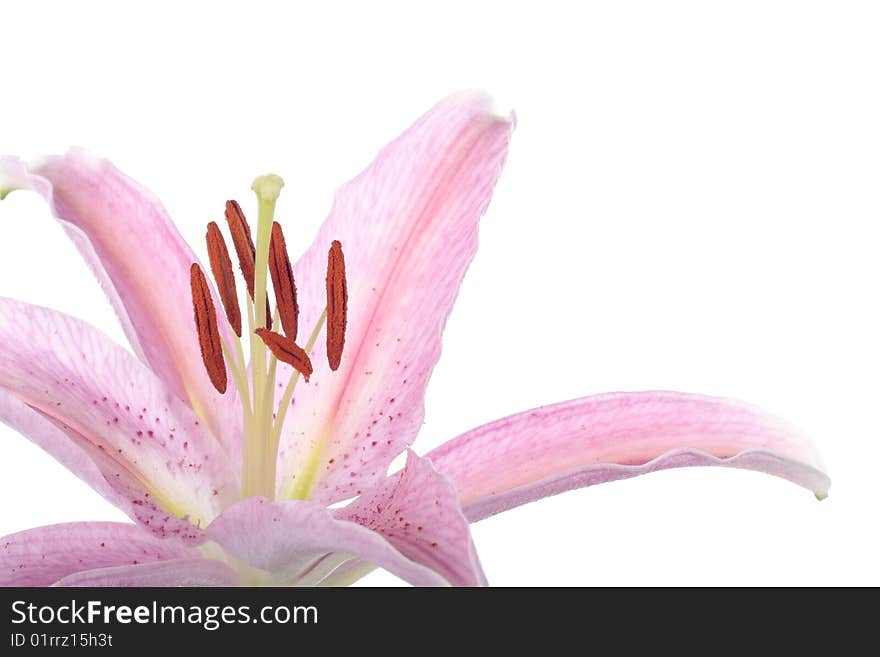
[{"x": 233, "y": 470}]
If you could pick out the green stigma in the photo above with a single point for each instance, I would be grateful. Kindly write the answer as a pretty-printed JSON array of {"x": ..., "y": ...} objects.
[{"x": 268, "y": 187}]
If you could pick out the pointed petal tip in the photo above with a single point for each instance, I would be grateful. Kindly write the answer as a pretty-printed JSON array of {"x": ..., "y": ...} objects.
[
  {"x": 497, "y": 113},
  {"x": 480, "y": 103},
  {"x": 13, "y": 176}
]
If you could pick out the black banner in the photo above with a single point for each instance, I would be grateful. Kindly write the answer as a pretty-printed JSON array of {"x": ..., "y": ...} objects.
[{"x": 40, "y": 620}]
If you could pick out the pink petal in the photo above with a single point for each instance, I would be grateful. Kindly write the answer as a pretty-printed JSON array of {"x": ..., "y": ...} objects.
[
  {"x": 92, "y": 400},
  {"x": 592, "y": 440},
  {"x": 141, "y": 262},
  {"x": 418, "y": 512},
  {"x": 41, "y": 556},
  {"x": 44, "y": 432},
  {"x": 408, "y": 227},
  {"x": 114, "y": 482},
  {"x": 289, "y": 540},
  {"x": 179, "y": 572}
]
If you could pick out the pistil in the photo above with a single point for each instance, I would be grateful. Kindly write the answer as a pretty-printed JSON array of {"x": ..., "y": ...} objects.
[{"x": 259, "y": 469}]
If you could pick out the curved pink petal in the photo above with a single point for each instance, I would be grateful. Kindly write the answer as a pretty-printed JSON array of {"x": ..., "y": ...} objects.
[
  {"x": 45, "y": 433},
  {"x": 90, "y": 394},
  {"x": 141, "y": 262},
  {"x": 74, "y": 452},
  {"x": 418, "y": 512},
  {"x": 289, "y": 540},
  {"x": 177, "y": 572},
  {"x": 408, "y": 227},
  {"x": 592, "y": 440},
  {"x": 41, "y": 556}
]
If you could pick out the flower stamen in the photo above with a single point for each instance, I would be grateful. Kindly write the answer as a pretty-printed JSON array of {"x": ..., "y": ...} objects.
[
  {"x": 243, "y": 243},
  {"x": 283, "y": 283},
  {"x": 244, "y": 249},
  {"x": 206, "y": 327},
  {"x": 337, "y": 304},
  {"x": 221, "y": 267},
  {"x": 287, "y": 351}
]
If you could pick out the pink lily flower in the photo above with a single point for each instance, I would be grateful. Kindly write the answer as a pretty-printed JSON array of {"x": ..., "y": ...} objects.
[{"x": 238, "y": 473}]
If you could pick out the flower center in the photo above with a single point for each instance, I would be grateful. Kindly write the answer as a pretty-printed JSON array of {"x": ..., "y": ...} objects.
[{"x": 271, "y": 336}]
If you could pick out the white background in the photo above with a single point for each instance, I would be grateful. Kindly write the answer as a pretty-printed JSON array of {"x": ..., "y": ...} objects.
[{"x": 702, "y": 177}]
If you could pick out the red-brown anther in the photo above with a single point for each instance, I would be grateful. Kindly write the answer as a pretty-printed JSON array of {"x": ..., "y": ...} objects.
[
  {"x": 282, "y": 281},
  {"x": 268, "y": 313},
  {"x": 287, "y": 351},
  {"x": 244, "y": 249},
  {"x": 221, "y": 266},
  {"x": 206, "y": 327},
  {"x": 337, "y": 304},
  {"x": 241, "y": 240}
]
